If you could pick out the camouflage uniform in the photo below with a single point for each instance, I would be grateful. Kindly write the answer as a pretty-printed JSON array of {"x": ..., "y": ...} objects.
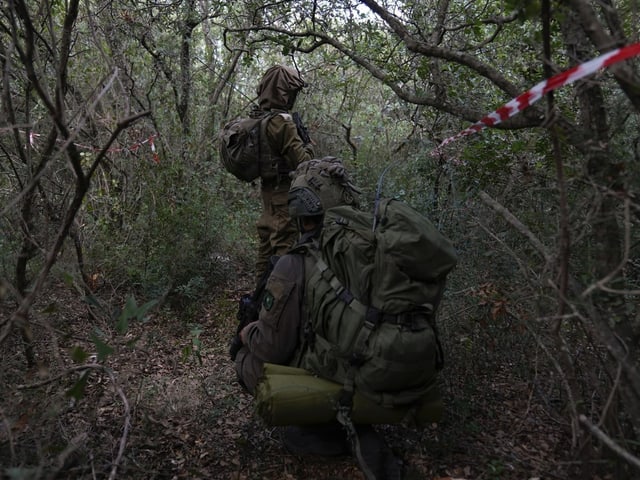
[
  {"x": 275, "y": 337},
  {"x": 277, "y": 92}
]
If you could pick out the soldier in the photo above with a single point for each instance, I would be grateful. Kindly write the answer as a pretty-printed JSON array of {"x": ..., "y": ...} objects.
[
  {"x": 277, "y": 93},
  {"x": 276, "y": 337}
]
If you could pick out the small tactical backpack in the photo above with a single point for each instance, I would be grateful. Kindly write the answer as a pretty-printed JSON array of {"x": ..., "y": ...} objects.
[
  {"x": 244, "y": 150},
  {"x": 373, "y": 285}
]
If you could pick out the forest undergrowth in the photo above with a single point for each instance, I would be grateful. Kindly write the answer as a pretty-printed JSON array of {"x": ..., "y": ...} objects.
[{"x": 164, "y": 404}]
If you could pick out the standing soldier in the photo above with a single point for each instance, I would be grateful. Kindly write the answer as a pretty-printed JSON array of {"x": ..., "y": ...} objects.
[{"x": 277, "y": 94}]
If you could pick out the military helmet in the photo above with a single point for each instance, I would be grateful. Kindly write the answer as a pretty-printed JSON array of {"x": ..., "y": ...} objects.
[{"x": 318, "y": 185}]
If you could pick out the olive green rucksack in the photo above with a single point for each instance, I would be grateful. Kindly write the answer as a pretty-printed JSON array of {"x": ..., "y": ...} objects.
[
  {"x": 372, "y": 292},
  {"x": 244, "y": 150}
]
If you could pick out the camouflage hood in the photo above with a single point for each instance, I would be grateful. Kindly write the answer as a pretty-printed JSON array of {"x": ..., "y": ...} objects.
[{"x": 278, "y": 88}]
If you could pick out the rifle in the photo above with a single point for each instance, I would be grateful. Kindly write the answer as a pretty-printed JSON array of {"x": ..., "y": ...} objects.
[
  {"x": 302, "y": 130},
  {"x": 249, "y": 308}
]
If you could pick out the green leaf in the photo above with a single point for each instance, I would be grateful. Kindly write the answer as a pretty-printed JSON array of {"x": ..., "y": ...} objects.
[
  {"x": 78, "y": 354},
  {"x": 77, "y": 391},
  {"x": 129, "y": 311},
  {"x": 423, "y": 69},
  {"x": 186, "y": 352},
  {"x": 130, "y": 308},
  {"x": 196, "y": 330},
  {"x": 67, "y": 279},
  {"x": 51, "y": 308},
  {"x": 91, "y": 300},
  {"x": 102, "y": 348},
  {"x": 133, "y": 311},
  {"x": 143, "y": 309},
  {"x": 122, "y": 325}
]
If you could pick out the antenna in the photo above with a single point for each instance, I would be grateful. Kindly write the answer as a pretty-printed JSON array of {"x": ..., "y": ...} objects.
[{"x": 378, "y": 193}]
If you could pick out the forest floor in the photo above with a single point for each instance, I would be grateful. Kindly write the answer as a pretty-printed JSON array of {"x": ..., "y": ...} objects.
[{"x": 168, "y": 407}]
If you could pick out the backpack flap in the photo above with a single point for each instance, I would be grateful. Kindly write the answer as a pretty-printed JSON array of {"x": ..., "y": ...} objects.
[
  {"x": 348, "y": 244},
  {"x": 412, "y": 259}
]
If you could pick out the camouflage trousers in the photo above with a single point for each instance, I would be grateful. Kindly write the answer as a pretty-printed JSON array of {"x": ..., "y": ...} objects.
[{"x": 276, "y": 231}]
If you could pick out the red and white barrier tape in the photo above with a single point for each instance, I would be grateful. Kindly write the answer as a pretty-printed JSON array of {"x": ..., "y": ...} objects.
[
  {"x": 131, "y": 148},
  {"x": 534, "y": 94}
]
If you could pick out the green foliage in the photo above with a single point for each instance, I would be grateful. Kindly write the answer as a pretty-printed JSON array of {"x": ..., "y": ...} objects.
[
  {"x": 77, "y": 390},
  {"x": 169, "y": 238},
  {"x": 527, "y": 9},
  {"x": 194, "y": 348},
  {"x": 102, "y": 348},
  {"x": 121, "y": 317},
  {"x": 78, "y": 354},
  {"x": 132, "y": 311}
]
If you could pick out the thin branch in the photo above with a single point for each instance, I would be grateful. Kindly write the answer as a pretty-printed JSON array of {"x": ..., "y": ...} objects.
[
  {"x": 125, "y": 431},
  {"x": 601, "y": 284},
  {"x": 609, "y": 442},
  {"x": 468, "y": 60},
  {"x": 523, "y": 268},
  {"x": 604, "y": 42},
  {"x": 76, "y": 442},
  {"x": 564, "y": 375},
  {"x": 517, "y": 224},
  {"x": 532, "y": 118},
  {"x": 125, "y": 402},
  {"x": 122, "y": 124},
  {"x": 7, "y": 427},
  {"x": 611, "y": 397},
  {"x": 563, "y": 206}
]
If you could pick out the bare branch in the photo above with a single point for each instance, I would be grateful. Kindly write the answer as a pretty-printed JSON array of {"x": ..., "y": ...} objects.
[
  {"x": 609, "y": 442},
  {"x": 468, "y": 60},
  {"x": 601, "y": 284},
  {"x": 127, "y": 410},
  {"x": 517, "y": 224},
  {"x": 529, "y": 120},
  {"x": 623, "y": 73}
]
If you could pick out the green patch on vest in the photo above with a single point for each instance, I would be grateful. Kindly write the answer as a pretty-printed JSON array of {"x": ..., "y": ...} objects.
[{"x": 267, "y": 303}]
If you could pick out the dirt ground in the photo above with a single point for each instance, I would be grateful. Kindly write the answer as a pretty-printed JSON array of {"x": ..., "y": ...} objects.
[{"x": 164, "y": 404}]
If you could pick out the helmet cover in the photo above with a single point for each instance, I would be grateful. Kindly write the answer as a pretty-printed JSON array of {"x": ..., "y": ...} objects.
[{"x": 318, "y": 185}]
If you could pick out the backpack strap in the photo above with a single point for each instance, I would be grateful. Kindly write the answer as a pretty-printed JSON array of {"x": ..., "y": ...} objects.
[
  {"x": 271, "y": 172},
  {"x": 322, "y": 270},
  {"x": 264, "y": 151}
]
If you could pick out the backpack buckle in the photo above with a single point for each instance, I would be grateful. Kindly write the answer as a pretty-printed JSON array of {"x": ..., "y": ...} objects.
[
  {"x": 344, "y": 295},
  {"x": 372, "y": 318},
  {"x": 357, "y": 359}
]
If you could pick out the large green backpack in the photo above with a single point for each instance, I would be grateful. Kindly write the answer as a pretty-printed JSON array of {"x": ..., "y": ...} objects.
[{"x": 371, "y": 294}]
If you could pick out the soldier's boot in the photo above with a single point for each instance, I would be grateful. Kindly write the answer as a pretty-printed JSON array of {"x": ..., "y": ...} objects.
[
  {"x": 375, "y": 458},
  {"x": 327, "y": 440}
]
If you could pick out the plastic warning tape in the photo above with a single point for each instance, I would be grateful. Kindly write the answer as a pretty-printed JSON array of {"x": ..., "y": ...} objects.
[
  {"x": 130, "y": 149},
  {"x": 534, "y": 94}
]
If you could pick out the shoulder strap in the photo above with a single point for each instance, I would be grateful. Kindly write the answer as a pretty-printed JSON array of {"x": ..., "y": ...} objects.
[
  {"x": 264, "y": 151},
  {"x": 371, "y": 316}
]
